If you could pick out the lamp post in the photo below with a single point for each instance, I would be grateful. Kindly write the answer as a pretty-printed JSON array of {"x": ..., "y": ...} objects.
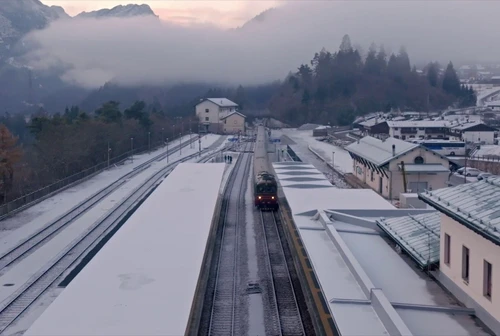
[
  {"x": 109, "y": 151},
  {"x": 167, "y": 150},
  {"x": 180, "y": 144},
  {"x": 132, "y": 148},
  {"x": 149, "y": 141}
]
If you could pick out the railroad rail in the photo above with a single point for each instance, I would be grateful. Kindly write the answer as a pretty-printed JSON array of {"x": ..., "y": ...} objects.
[
  {"x": 285, "y": 303},
  {"x": 224, "y": 301},
  {"x": 37, "y": 285},
  {"x": 37, "y": 239}
]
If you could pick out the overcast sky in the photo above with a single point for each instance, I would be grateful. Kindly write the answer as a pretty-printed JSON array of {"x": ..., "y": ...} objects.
[
  {"x": 145, "y": 50},
  {"x": 224, "y": 13}
]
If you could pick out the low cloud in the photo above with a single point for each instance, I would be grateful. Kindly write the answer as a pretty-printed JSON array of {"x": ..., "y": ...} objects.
[{"x": 148, "y": 51}]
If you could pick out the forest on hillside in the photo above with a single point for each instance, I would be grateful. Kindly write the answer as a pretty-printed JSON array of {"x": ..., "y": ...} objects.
[
  {"x": 47, "y": 149},
  {"x": 337, "y": 87},
  {"x": 334, "y": 88}
]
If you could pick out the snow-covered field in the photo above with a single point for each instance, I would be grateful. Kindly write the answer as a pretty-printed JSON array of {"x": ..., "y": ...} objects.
[
  {"x": 341, "y": 160},
  {"x": 21, "y": 225}
]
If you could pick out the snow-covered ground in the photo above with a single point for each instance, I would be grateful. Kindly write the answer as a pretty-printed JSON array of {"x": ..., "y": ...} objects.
[
  {"x": 25, "y": 223},
  {"x": 341, "y": 160}
]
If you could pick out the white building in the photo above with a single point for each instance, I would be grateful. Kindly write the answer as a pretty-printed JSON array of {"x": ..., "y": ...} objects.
[
  {"x": 386, "y": 165},
  {"x": 470, "y": 245},
  {"x": 233, "y": 123},
  {"x": 211, "y": 111},
  {"x": 475, "y": 132},
  {"x": 418, "y": 129}
]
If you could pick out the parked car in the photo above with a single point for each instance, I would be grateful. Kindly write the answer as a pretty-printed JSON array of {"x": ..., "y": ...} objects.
[
  {"x": 471, "y": 172},
  {"x": 483, "y": 176}
]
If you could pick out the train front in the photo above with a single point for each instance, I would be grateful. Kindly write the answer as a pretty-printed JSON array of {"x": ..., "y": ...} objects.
[{"x": 266, "y": 192}]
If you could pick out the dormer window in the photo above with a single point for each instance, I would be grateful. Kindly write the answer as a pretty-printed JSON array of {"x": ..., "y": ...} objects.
[{"x": 418, "y": 160}]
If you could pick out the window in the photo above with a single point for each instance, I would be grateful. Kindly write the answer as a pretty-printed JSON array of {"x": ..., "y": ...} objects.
[
  {"x": 206, "y": 118},
  {"x": 447, "y": 241},
  {"x": 487, "y": 276},
  {"x": 465, "y": 264},
  {"x": 207, "y": 110},
  {"x": 419, "y": 160}
]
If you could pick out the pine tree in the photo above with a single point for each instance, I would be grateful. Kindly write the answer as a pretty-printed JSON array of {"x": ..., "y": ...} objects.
[
  {"x": 10, "y": 155},
  {"x": 432, "y": 74},
  {"x": 382, "y": 60},
  {"x": 403, "y": 61},
  {"x": 371, "y": 62},
  {"x": 451, "y": 83},
  {"x": 346, "y": 45}
]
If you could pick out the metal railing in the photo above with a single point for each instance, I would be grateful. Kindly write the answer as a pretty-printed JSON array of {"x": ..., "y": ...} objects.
[{"x": 39, "y": 195}]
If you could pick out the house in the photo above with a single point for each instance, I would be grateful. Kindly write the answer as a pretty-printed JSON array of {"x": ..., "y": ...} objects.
[
  {"x": 321, "y": 131},
  {"x": 469, "y": 264},
  {"x": 233, "y": 123},
  {"x": 374, "y": 126},
  {"x": 418, "y": 129},
  {"x": 210, "y": 112},
  {"x": 473, "y": 131},
  {"x": 393, "y": 166}
]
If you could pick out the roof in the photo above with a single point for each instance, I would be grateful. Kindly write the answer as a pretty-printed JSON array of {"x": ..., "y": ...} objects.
[
  {"x": 372, "y": 122},
  {"x": 418, "y": 235},
  {"x": 467, "y": 125},
  {"x": 475, "y": 205},
  {"x": 418, "y": 123},
  {"x": 425, "y": 168},
  {"x": 379, "y": 151},
  {"x": 232, "y": 113},
  {"x": 308, "y": 189},
  {"x": 222, "y": 102},
  {"x": 143, "y": 281}
]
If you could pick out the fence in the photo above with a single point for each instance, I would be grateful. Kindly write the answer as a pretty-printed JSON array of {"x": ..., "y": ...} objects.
[
  {"x": 490, "y": 164},
  {"x": 39, "y": 195}
]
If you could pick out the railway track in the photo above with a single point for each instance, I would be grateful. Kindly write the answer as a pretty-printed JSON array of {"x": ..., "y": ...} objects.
[
  {"x": 225, "y": 297},
  {"x": 283, "y": 301},
  {"x": 12, "y": 308},
  {"x": 40, "y": 237}
]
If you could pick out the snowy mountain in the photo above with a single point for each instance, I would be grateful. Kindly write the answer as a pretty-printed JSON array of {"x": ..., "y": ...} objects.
[
  {"x": 19, "y": 17},
  {"x": 119, "y": 11}
]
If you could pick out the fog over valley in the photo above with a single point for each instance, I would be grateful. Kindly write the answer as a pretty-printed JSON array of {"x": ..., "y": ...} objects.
[{"x": 146, "y": 50}]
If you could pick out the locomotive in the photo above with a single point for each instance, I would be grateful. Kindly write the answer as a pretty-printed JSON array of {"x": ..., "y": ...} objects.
[{"x": 265, "y": 185}]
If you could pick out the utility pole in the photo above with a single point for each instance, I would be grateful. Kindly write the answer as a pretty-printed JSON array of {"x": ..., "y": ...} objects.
[
  {"x": 149, "y": 141},
  {"x": 109, "y": 151},
  {"x": 333, "y": 164},
  {"x": 132, "y": 148},
  {"x": 180, "y": 143},
  {"x": 167, "y": 150},
  {"x": 162, "y": 137},
  {"x": 199, "y": 144}
]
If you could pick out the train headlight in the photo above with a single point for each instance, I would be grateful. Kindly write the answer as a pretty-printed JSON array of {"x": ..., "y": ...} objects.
[
  {"x": 272, "y": 197},
  {"x": 260, "y": 197}
]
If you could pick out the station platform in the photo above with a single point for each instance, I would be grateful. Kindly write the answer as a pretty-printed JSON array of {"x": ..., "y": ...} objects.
[
  {"x": 146, "y": 279},
  {"x": 358, "y": 284}
]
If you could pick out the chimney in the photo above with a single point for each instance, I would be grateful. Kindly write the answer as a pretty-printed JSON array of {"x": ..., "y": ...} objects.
[{"x": 393, "y": 150}]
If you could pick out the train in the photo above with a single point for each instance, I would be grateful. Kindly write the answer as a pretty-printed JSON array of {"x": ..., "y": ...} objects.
[{"x": 265, "y": 185}]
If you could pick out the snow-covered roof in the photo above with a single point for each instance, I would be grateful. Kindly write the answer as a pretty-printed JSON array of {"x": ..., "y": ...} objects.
[
  {"x": 322, "y": 127},
  {"x": 222, "y": 102},
  {"x": 466, "y": 125},
  {"x": 372, "y": 122},
  {"x": 399, "y": 282},
  {"x": 144, "y": 280},
  {"x": 418, "y": 123},
  {"x": 358, "y": 273},
  {"x": 230, "y": 114},
  {"x": 308, "y": 189},
  {"x": 418, "y": 235},
  {"x": 378, "y": 151},
  {"x": 425, "y": 168},
  {"x": 475, "y": 205}
]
